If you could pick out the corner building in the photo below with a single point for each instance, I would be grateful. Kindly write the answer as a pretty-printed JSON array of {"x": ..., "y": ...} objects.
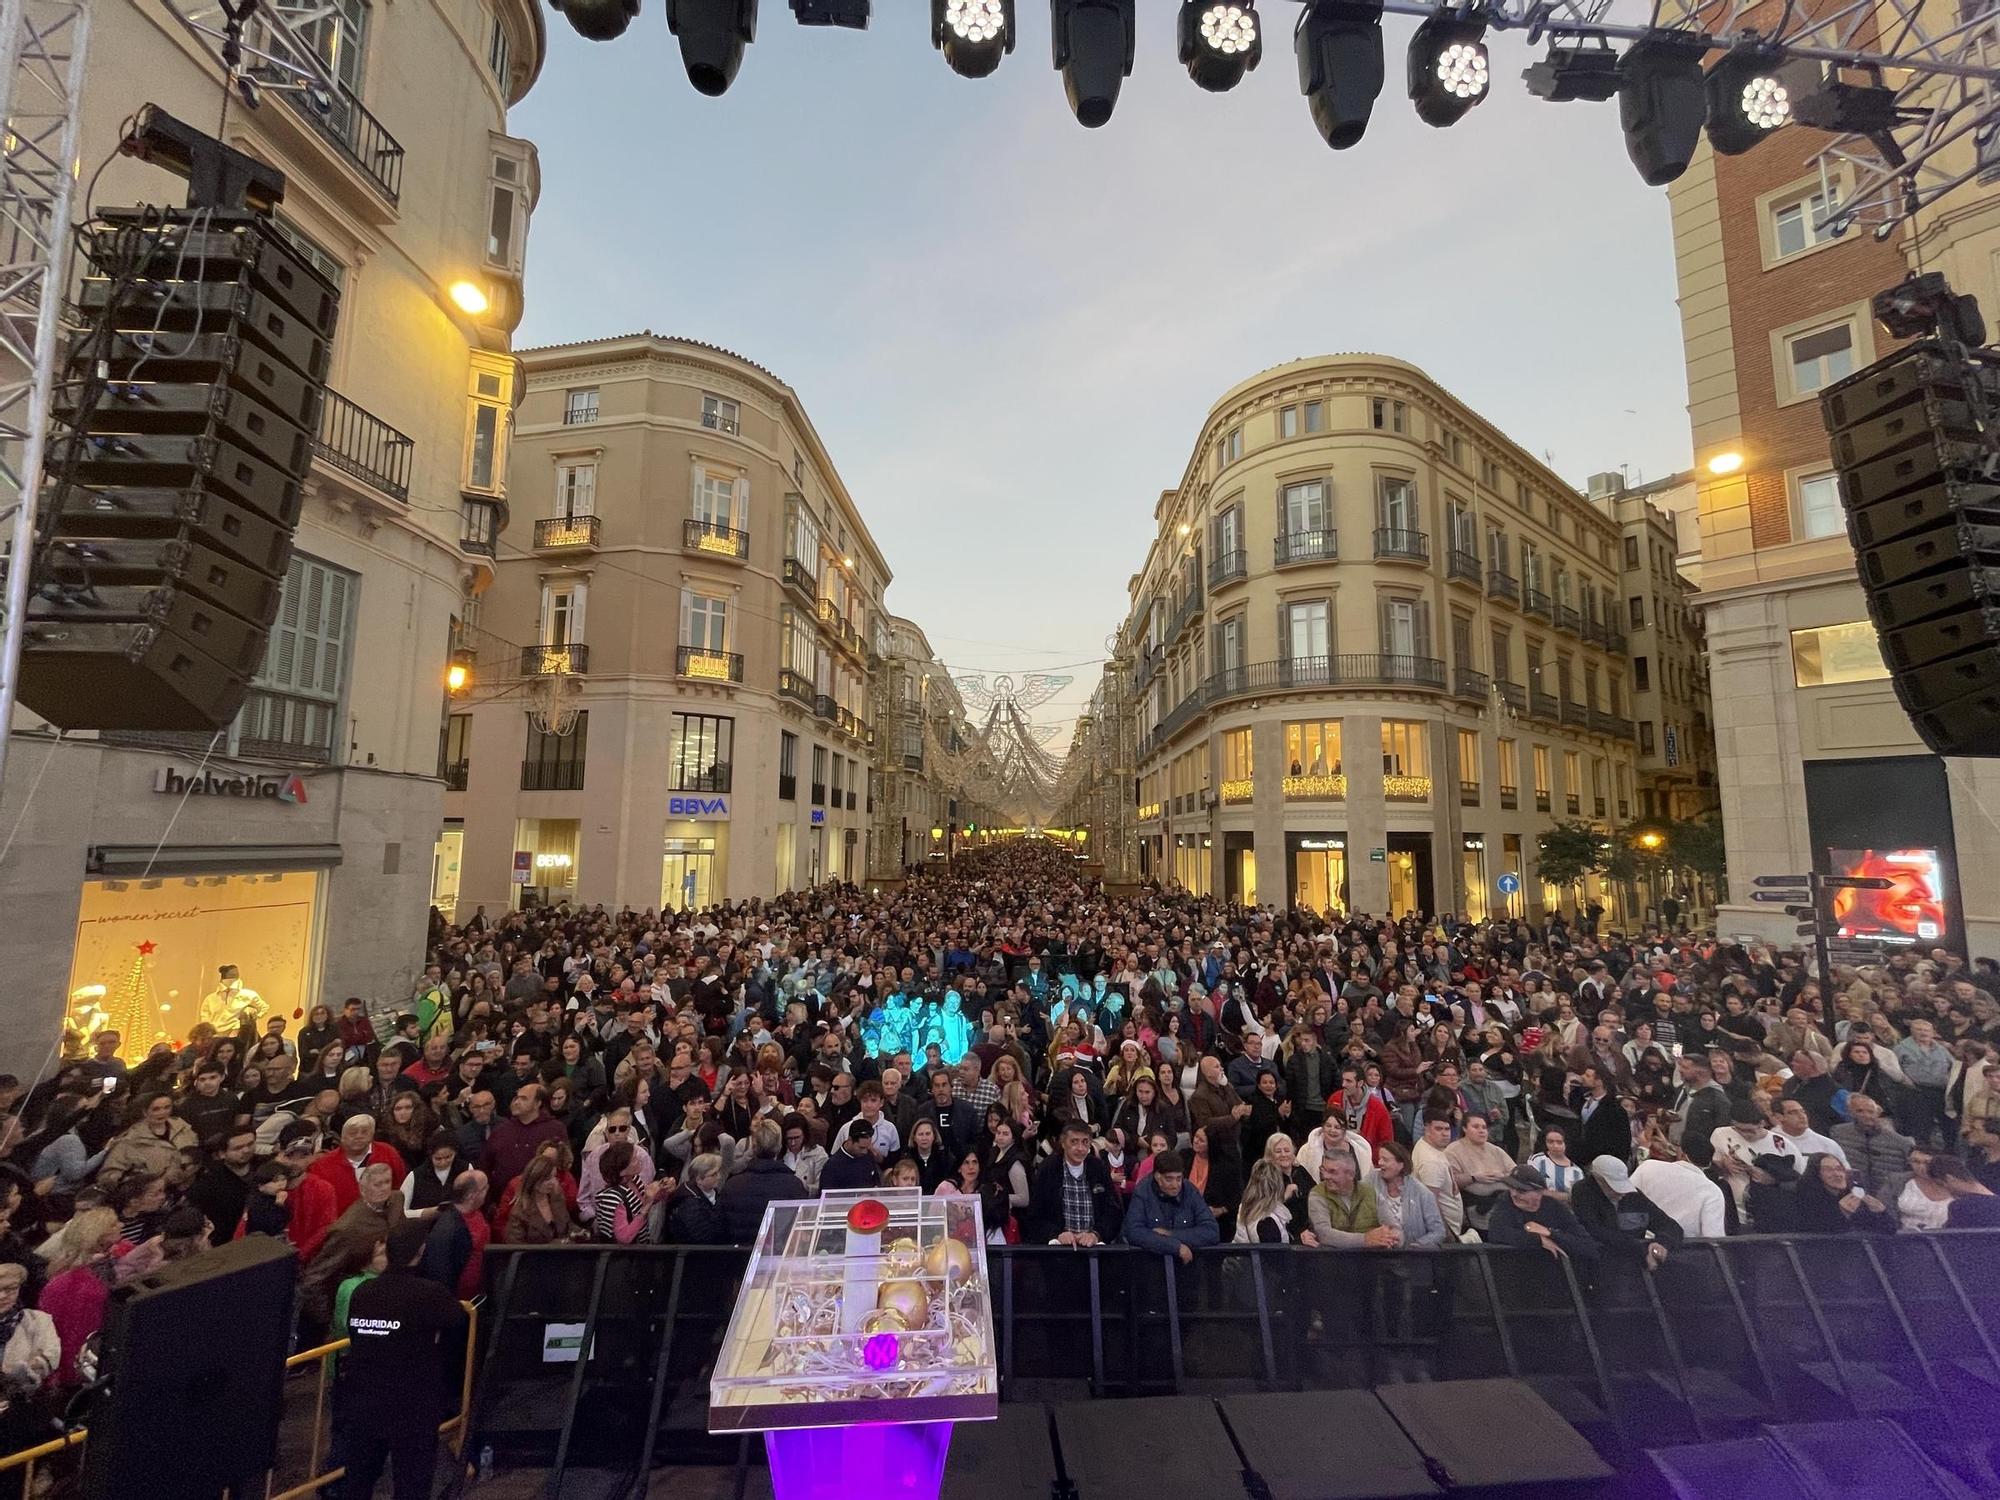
[
  {"x": 679, "y": 546},
  {"x": 1377, "y": 652}
]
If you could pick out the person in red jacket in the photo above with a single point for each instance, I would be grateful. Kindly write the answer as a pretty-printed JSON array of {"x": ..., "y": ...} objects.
[
  {"x": 340, "y": 1168},
  {"x": 515, "y": 1140},
  {"x": 1365, "y": 1113}
]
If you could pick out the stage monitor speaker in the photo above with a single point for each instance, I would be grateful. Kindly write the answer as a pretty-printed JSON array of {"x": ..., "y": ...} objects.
[
  {"x": 1378, "y": 1460},
  {"x": 1011, "y": 1458},
  {"x": 1148, "y": 1448},
  {"x": 1919, "y": 464},
  {"x": 1860, "y": 1461},
  {"x": 195, "y": 1355},
  {"x": 188, "y": 414},
  {"x": 1516, "y": 1439}
]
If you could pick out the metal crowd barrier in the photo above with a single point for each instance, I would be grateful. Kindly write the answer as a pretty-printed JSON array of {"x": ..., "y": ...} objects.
[
  {"x": 316, "y": 1439},
  {"x": 604, "y": 1351}
]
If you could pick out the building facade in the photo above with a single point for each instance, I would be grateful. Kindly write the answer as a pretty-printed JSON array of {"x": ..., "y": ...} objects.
[
  {"x": 681, "y": 562},
  {"x": 1818, "y": 766},
  {"x": 915, "y": 811},
  {"x": 296, "y": 844},
  {"x": 1670, "y": 698},
  {"x": 1376, "y": 653}
]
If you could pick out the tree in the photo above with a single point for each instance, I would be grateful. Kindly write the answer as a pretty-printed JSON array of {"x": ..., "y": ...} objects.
[
  {"x": 1570, "y": 850},
  {"x": 1695, "y": 845}
]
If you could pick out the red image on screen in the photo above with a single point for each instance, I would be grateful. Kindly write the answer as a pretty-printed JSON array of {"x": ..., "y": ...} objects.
[{"x": 1910, "y": 911}]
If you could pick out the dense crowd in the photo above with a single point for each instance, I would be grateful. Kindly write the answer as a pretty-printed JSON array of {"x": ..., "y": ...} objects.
[{"x": 1155, "y": 1068}]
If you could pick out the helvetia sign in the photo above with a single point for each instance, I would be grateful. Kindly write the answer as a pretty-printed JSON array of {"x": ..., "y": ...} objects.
[{"x": 177, "y": 783}]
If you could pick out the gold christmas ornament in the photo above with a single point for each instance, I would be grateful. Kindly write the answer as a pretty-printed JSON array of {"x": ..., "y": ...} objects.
[
  {"x": 885, "y": 1320},
  {"x": 900, "y": 1258},
  {"x": 909, "y": 1299},
  {"x": 948, "y": 1257}
]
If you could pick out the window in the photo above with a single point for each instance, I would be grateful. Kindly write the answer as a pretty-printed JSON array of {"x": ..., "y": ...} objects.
[
  {"x": 720, "y": 500},
  {"x": 721, "y": 415},
  {"x": 788, "y": 765},
  {"x": 576, "y": 490},
  {"x": 455, "y": 751},
  {"x": 1645, "y": 736},
  {"x": 1641, "y": 674},
  {"x": 1232, "y": 445},
  {"x": 1229, "y": 533},
  {"x": 1406, "y": 628},
  {"x": 1531, "y": 568},
  {"x": 1794, "y": 225},
  {"x": 704, "y": 621},
  {"x": 1304, "y": 507},
  {"x": 1631, "y": 552},
  {"x": 580, "y": 406},
  {"x": 496, "y": 54},
  {"x": 293, "y": 708},
  {"x": 1820, "y": 358},
  {"x": 1395, "y": 503},
  {"x": 554, "y": 762},
  {"x": 1541, "y": 778},
  {"x": 1306, "y": 631},
  {"x": 1404, "y": 750},
  {"x": 1489, "y": 473},
  {"x": 1288, "y": 422},
  {"x": 1831, "y": 654},
  {"x": 1389, "y": 416},
  {"x": 1454, "y": 449},
  {"x": 1503, "y": 654},
  {"x": 1236, "y": 764},
  {"x": 338, "y": 35},
  {"x": 839, "y": 775},
  {"x": 1468, "y": 767},
  {"x": 1819, "y": 506},
  {"x": 819, "y": 774},
  {"x": 486, "y": 427},
  {"x": 1510, "y": 767},
  {"x": 1312, "y": 748},
  {"x": 1315, "y": 412},
  {"x": 562, "y": 614},
  {"x": 1464, "y": 530},
  {"x": 1573, "y": 780},
  {"x": 1635, "y": 612},
  {"x": 699, "y": 757},
  {"x": 507, "y": 191},
  {"x": 1229, "y": 644}
]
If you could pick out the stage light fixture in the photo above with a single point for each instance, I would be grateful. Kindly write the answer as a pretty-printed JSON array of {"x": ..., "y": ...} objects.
[
  {"x": 1582, "y": 72},
  {"x": 1827, "y": 102},
  {"x": 1339, "y": 47},
  {"x": 712, "y": 34},
  {"x": 1449, "y": 68},
  {"x": 1093, "y": 42},
  {"x": 1662, "y": 103},
  {"x": 1220, "y": 41},
  {"x": 598, "y": 20},
  {"x": 853, "y": 14},
  {"x": 1747, "y": 99},
  {"x": 973, "y": 35}
]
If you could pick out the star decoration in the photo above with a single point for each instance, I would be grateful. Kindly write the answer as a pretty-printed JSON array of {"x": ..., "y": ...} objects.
[{"x": 146, "y": 948}]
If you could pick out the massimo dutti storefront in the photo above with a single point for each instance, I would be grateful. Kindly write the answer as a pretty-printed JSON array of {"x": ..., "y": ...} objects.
[{"x": 136, "y": 876}]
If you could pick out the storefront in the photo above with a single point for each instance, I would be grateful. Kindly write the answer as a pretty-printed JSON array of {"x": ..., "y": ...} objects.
[
  {"x": 1472, "y": 870},
  {"x": 1412, "y": 885},
  {"x": 1239, "y": 868},
  {"x": 446, "y": 858},
  {"x": 694, "y": 866},
  {"x": 547, "y": 856},
  {"x": 1316, "y": 867},
  {"x": 1192, "y": 853},
  {"x": 149, "y": 952}
]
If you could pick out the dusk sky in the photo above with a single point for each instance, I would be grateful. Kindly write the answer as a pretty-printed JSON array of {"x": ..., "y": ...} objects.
[{"x": 1008, "y": 328}]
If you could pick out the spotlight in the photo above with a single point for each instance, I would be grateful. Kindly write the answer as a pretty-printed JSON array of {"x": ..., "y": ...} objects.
[
  {"x": 1747, "y": 100},
  {"x": 853, "y": 14},
  {"x": 469, "y": 297},
  {"x": 1339, "y": 47},
  {"x": 1825, "y": 101},
  {"x": 713, "y": 34},
  {"x": 1093, "y": 42},
  {"x": 1221, "y": 40},
  {"x": 598, "y": 20},
  {"x": 1448, "y": 67},
  {"x": 973, "y": 35},
  {"x": 1922, "y": 305},
  {"x": 1662, "y": 102},
  {"x": 1583, "y": 72}
]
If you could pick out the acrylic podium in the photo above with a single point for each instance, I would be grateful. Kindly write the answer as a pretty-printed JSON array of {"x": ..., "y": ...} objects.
[{"x": 863, "y": 1331}]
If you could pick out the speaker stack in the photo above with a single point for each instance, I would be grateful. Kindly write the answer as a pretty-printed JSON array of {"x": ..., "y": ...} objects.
[
  {"x": 188, "y": 411},
  {"x": 1919, "y": 462}
]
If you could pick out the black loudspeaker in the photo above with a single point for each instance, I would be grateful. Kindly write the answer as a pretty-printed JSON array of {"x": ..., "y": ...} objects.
[
  {"x": 195, "y": 1356},
  {"x": 1857, "y": 1460},
  {"x": 188, "y": 412},
  {"x": 1918, "y": 454}
]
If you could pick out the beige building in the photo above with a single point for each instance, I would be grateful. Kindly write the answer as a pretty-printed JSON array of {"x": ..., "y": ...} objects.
[
  {"x": 679, "y": 553},
  {"x": 916, "y": 814},
  {"x": 1818, "y": 765},
  {"x": 1377, "y": 652},
  {"x": 1670, "y": 699},
  {"x": 126, "y": 890}
]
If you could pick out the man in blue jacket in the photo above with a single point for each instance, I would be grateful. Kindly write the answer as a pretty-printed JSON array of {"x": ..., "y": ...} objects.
[{"x": 1166, "y": 1215}]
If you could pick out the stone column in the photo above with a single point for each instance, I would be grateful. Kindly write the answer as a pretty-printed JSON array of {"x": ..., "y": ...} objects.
[
  {"x": 1267, "y": 761},
  {"x": 1367, "y": 815}
]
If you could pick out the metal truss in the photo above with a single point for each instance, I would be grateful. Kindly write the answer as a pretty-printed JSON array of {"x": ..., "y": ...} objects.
[
  {"x": 264, "y": 47},
  {"x": 41, "y": 101}
]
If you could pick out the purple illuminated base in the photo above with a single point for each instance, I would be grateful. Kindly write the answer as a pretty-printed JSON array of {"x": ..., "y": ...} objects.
[{"x": 889, "y": 1460}]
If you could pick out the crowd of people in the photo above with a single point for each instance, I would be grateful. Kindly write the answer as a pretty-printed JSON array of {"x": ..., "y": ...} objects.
[{"x": 1154, "y": 1068}]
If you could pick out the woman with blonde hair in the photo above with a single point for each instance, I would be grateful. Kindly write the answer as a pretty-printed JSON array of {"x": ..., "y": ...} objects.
[
  {"x": 84, "y": 1264},
  {"x": 1262, "y": 1218}
]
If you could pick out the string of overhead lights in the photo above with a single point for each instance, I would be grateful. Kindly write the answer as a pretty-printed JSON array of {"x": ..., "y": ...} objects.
[{"x": 1666, "y": 97}]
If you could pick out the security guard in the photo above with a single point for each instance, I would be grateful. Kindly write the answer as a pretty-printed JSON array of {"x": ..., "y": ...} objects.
[{"x": 406, "y": 1335}]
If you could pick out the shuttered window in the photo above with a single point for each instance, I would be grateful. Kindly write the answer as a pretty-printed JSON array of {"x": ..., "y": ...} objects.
[{"x": 293, "y": 708}]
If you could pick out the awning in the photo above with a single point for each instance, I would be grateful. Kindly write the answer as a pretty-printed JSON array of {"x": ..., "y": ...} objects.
[{"x": 208, "y": 859}]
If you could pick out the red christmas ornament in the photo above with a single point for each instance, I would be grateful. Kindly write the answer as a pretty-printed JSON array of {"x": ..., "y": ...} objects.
[
  {"x": 869, "y": 1216},
  {"x": 298, "y": 1012}
]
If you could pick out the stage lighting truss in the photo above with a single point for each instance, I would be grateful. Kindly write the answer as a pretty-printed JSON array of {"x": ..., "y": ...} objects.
[
  {"x": 973, "y": 35},
  {"x": 1220, "y": 41},
  {"x": 1449, "y": 70},
  {"x": 266, "y": 48}
]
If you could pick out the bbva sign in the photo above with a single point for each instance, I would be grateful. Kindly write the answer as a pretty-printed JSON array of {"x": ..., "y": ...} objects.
[{"x": 700, "y": 808}]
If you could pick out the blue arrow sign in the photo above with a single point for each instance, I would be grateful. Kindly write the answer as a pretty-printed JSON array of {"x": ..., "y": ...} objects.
[{"x": 1508, "y": 883}]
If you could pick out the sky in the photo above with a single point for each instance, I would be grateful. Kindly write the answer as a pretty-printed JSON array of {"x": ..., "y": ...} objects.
[{"x": 1008, "y": 329}]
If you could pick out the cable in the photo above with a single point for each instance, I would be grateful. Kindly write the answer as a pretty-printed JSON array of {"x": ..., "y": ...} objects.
[
  {"x": 192, "y": 782},
  {"x": 29, "y": 801}
]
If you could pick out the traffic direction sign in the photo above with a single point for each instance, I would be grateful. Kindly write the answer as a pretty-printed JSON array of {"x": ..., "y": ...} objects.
[
  {"x": 1797, "y": 895},
  {"x": 1858, "y": 882},
  {"x": 1768, "y": 880},
  {"x": 1509, "y": 883}
]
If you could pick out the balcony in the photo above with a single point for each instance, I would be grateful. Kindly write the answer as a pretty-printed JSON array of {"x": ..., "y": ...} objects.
[
  {"x": 1593, "y": 631},
  {"x": 713, "y": 540},
  {"x": 1500, "y": 584},
  {"x": 1468, "y": 794},
  {"x": 551, "y": 775},
  {"x": 1543, "y": 705},
  {"x": 360, "y": 444},
  {"x": 581, "y": 414},
  {"x": 716, "y": 778},
  {"x": 540, "y": 661},
  {"x": 1568, "y": 620},
  {"x": 850, "y": 722},
  {"x": 715, "y": 421},
  {"x": 348, "y": 127},
  {"x": 1228, "y": 567},
  {"x": 285, "y": 726},
  {"x": 1186, "y": 611},
  {"x": 568, "y": 534},
  {"x": 799, "y": 578},
  {"x": 1574, "y": 803},
  {"x": 1513, "y": 695},
  {"x": 843, "y": 635},
  {"x": 1238, "y": 791},
  {"x": 1510, "y": 798},
  {"x": 819, "y": 794},
  {"x": 1322, "y": 786},
  {"x": 788, "y": 788},
  {"x": 1602, "y": 722},
  {"x": 1614, "y": 639},
  {"x": 702, "y": 665},
  {"x": 1598, "y": 804},
  {"x": 1397, "y": 788},
  {"x": 1535, "y": 602},
  {"x": 1466, "y": 683},
  {"x": 1150, "y": 658},
  {"x": 1541, "y": 800},
  {"x": 478, "y": 526},
  {"x": 1627, "y": 729},
  {"x": 1395, "y": 544},
  {"x": 1326, "y": 671},
  {"x": 798, "y": 689},
  {"x": 456, "y": 775},
  {"x": 825, "y": 708},
  {"x": 1464, "y": 565},
  {"x": 1575, "y": 714},
  {"x": 1291, "y": 547}
]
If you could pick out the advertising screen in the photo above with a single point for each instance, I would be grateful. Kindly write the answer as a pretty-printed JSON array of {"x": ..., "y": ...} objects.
[{"x": 1912, "y": 910}]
